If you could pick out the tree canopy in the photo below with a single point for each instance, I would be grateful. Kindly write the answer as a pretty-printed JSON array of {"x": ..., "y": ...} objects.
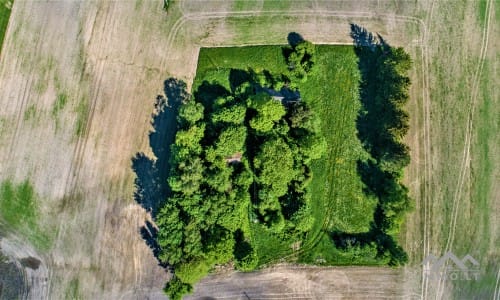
[{"x": 242, "y": 154}]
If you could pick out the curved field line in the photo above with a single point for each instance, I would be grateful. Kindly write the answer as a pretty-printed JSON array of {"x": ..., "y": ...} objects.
[
  {"x": 465, "y": 164},
  {"x": 245, "y": 14},
  {"x": 425, "y": 93}
]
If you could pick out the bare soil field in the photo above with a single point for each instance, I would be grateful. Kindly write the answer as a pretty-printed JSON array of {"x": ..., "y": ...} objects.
[{"x": 110, "y": 60}]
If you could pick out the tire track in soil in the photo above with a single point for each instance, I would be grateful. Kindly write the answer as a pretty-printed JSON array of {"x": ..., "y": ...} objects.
[
  {"x": 427, "y": 149},
  {"x": 465, "y": 163},
  {"x": 81, "y": 143},
  {"x": 26, "y": 92},
  {"x": 245, "y": 14}
]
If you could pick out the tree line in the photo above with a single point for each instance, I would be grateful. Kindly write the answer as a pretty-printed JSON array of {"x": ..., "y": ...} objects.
[{"x": 382, "y": 124}]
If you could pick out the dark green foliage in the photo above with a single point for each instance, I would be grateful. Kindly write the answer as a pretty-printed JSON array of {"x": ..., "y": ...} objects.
[
  {"x": 175, "y": 289},
  {"x": 239, "y": 157},
  {"x": 190, "y": 113},
  {"x": 382, "y": 124},
  {"x": 301, "y": 59},
  {"x": 267, "y": 112}
]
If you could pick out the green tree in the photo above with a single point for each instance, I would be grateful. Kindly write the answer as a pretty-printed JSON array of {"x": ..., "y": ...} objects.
[
  {"x": 231, "y": 140},
  {"x": 274, "y": 165},
  {"x": 170, "y": 233},
  {"x": 175, "y": 289},
  {"x": 302, "y": 60},
  {"x": 190, "y": 112},
  {"x": 188, "y": 176},
  {"x": 188, "y": 142},
  {"x": 268, "y": 112},
  {"x": 234, "y": 114}
]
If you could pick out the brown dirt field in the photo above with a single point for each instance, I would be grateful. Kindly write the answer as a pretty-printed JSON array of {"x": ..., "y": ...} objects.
[
  {"x": 112, "y": 58},
  {"x": 291, "y": 282}
]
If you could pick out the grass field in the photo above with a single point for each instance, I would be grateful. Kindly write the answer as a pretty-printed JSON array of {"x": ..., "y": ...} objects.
[{"x": 339, "y": 203}]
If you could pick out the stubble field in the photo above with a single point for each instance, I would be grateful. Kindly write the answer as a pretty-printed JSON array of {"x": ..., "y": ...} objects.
[{"x": 79, "y": 80}]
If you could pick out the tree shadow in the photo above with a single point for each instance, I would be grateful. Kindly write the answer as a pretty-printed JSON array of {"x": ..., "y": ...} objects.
[
  {"x": 294, "y": 39},
  {"x": 207, "y": 92},
  {"x": 237, "y": 77},
  {"x": 151, "y": 188},
  {"x": 376, "y": 115},
  {"x": 363, "y": 38}
]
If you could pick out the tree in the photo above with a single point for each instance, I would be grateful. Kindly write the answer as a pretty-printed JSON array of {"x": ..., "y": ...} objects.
[
  {"x": 231, "y": 140},
  {"x": 175, "y": 289},
  {"x": 188, "y": 141},
  {"x": 312, "y": 147},
  {"x": 188, "y": 176},
  {"x": 190, "y": 113},
  {"x": 275, "y": 153},
  {"x": 302, "y": 60},
  {"x": 234, "y": 114},
  {"x": 170, "y": 235},
  {"x": 268, "y": 112}
]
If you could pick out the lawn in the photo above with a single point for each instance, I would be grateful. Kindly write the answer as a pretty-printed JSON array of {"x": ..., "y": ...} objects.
[{"x": 338, "y": 201}]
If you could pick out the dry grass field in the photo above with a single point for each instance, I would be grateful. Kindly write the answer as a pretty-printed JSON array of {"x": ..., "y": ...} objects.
[{"x": 78, "y": 84}]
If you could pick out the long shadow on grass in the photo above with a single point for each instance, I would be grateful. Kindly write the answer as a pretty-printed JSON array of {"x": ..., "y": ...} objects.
[
  {"x": 151, "y": 188},
  {"x": 378, "y": 113}
]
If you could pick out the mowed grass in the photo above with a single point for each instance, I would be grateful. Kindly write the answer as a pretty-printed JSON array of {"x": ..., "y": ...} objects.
[
  {"x": 265, "y": 5},
  {"x": 339, "y": 203},
  {"x": 5, "y": 9},
  {"x": 19, "y": 211}
]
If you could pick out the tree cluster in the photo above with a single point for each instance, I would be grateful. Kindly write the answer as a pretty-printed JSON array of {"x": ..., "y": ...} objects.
[
  {"x": 301, "y": 59},
  {"x": 245, "y": 157}
]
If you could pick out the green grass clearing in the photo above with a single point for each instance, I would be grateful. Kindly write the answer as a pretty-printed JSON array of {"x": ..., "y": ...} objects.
[{"x": 19, "y": 211}]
